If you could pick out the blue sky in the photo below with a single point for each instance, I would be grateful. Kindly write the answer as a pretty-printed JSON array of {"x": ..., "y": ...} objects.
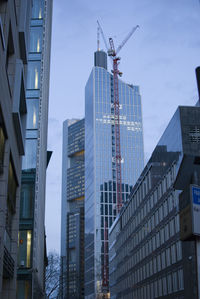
[{"x": 160, "y": 57}]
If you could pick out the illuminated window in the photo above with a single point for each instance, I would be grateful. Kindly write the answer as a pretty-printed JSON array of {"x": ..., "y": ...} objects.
[{"x": 24, "y": 251}]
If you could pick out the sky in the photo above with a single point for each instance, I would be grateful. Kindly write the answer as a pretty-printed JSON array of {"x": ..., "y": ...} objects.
[{"x": 160, "y": 57}]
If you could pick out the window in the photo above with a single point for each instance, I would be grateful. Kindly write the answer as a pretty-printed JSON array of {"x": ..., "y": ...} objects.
[
  {"x": 35, "y": 39},
  {"x": 173, "y": 253},
  {"x": 24, "y": 289},
  {"x": 158, "y": 262},
  {"x": 29, "y": 160},
  {"x": 172, "y": 228},
  {"x": 2, "y": 143},
  {"x": 175, "y": 286},
  {"x": 180, "y": 279},
  {"x": 163, "y": 260},
  {"x": 12, "y": 188},
  {"x": 179, "y": 250},
  {"x": 10, "y": 58},
  {"x": 26, "y": 203},
  {"x": 24, "y": 252},
  {"x": 169, "y": 283},
  {"x": 32, "y": 115},
  {"x": 168, "y": 257},
  {"x": 164, "y": 284},
  {"x": 37, "y": 9},
  {"x": 33, "y": 75}
]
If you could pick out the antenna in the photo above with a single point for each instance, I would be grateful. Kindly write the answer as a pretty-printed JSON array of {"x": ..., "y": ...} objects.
[{"x": 98, "y": 37}]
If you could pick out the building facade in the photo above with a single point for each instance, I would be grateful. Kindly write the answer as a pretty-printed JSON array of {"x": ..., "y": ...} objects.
[
  {"x": 32, "y": 244},
  {"x": 146, "y": 255},
  {"x": 13, "y": 58},
  {"x": 72, "y": 221},
  {"x": 100, "y": 166}
]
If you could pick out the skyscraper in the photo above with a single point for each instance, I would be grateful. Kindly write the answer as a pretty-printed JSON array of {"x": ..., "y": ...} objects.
[
  {"x": 32, "y": 244},
  {"x": 72, "y": 221},
  {"x": 100, "y": 166},
  {"x": 13, "y": 58}
]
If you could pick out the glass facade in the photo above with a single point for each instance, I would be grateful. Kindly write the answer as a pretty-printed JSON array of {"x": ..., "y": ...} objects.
[
  {"x": 32, "y": 201},
  {"x": 100, "y": 166}
]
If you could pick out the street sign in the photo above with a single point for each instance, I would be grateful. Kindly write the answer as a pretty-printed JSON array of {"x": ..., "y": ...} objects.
[{"x": 195, "y": 203}]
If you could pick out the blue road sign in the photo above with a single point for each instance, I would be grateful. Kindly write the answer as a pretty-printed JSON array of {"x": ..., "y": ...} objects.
[{"x": 196, "y": 195}]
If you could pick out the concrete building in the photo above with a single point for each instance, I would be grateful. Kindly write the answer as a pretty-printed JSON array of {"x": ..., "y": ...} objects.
[
  {"x": 32, "y": 244},
  {"x": 147, "y": 256},
  {"x": 100, "y": 166},
  {"x": 14, "y": 15},
  {"x": 72, "y": 221}
]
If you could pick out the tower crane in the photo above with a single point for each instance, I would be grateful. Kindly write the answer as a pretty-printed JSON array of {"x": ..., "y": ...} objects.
[
  {"x": 115, "y": 61},
  {"x": 113, "y": 54}
]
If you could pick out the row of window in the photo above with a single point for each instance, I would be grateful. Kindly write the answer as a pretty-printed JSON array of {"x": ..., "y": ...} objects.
[
  {"x": 139, "y": 195},
  {"x": 152, "y": 222},
  {"x": 158, "y": 239},
  {"x": 165, "y": 258},
  {"x": 165, "y": 285}
]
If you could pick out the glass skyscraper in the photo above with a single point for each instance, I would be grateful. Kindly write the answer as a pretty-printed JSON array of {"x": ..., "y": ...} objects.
[
  {"x": 72, "y": 222},
  {"x": 32, "y": 244},
  {"x": 100, "y": 166}
]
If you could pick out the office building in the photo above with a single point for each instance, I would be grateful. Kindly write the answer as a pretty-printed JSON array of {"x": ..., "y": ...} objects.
[
  {"x": 13, "y": 55},
  {"x": 100, "y": 166},
  {"x": 32, "y": 244},
  {"x": 147, "y": 256},
  {"x": 72, "y": 221}
]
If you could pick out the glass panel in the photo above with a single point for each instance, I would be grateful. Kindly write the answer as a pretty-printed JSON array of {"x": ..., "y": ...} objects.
[
  {"x": 26, "y": 204},
  {"x": 37, "y": 10},
  {"x": 12, "y": 188},
  {"x": 35, "y": 39},
  {"x": 2, "y": 146},
  {"x": 32, "y": 115},
  {"x": 24, "y": 289},
  {"x": 29, "y": 160},
  {"x": 33, "y": 76},
  {"x": 24, "y": 251}
]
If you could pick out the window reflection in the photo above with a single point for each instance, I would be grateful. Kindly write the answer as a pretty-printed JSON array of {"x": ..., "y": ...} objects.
[
  {"x": 36, "y": 39},
  {"x": 32, "y": 115},
  {"x": 29, "y": 160},
  {"x": 37, "y": 9},
  {"x": 33, "y": 77}
]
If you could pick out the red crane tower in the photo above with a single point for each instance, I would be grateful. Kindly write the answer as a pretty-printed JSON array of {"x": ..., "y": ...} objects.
[{"x": 115, "y": 60}]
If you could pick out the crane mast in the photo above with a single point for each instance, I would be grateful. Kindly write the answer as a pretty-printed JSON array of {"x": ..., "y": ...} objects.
[{"x": 116, "y": 72}]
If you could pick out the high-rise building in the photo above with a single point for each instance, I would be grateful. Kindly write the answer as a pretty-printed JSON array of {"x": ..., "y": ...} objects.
[
  {"x": 32, "y": 244},
  {"x": 72, "y": 221},
  {"x": 100, "y": 166},
  {"x": 147, "y": 257},
  {"x": 13, "y": 58}
]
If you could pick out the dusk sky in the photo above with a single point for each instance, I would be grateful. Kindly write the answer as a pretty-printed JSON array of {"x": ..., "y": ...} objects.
[{"x": 160, "y": 57}]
